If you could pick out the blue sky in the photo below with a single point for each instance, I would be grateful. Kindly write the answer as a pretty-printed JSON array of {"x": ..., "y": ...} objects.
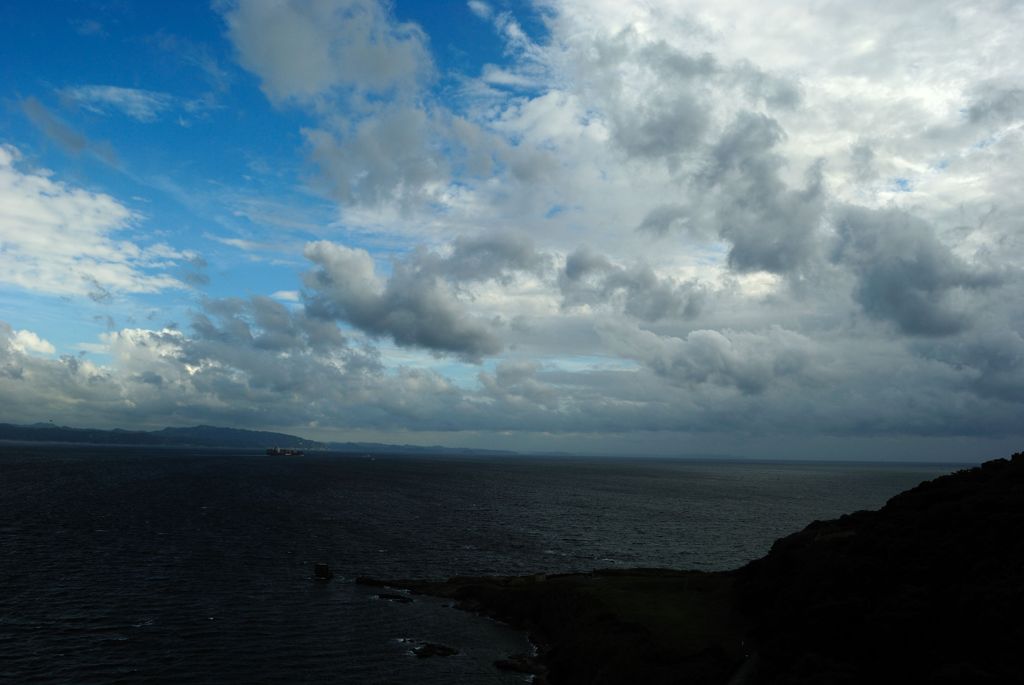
[{"x": 650, "y": 227}]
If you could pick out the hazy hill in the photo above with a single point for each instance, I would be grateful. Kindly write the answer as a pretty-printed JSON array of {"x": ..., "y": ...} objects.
[
  {"x": 204, "y": 436},
  {"x": 212, "y": 436}
]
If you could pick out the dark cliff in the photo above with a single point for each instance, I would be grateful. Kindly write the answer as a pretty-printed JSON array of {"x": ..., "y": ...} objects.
[{"x": 928, "y": 589}]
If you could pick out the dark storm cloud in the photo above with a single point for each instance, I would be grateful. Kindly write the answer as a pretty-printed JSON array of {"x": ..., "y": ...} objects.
[
  {"x": 740, "y": 196},
  {"x": 997, "y": 104},
  {"x": 758, "y": 85},
  {"x": 862, "y": 158},
  {"x": 904, "y": 274},
  {"x": 264, "y": 324},
  {"x": 492, "y": 256},
  {"x": 991, "y": 358},
  {"x": 664, "y": 218},
  {"x": 750, "y": 362},
  {"x": 246, "y": 348},
  {"x": 770, "y": 226},
  {"x": 478, "y": 258},
  {"x": 415, "y": 307},
  {"x": 663, "y": 125},
  {"x": 149, "y": 377},
  {"x": 592, "y": 279},
  {"x": 671, "y": 63},
  {"x": 672, "y": 112}
]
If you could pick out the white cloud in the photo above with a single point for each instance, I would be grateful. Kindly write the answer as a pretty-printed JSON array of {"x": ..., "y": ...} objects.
[
  {"x": 141, "y": 105},
  {"x": 29, "y": 343},
  {"x": 58, "y": 239},
  {"x": 480, "y": 9},
  {"x": 242, "y": 244}
]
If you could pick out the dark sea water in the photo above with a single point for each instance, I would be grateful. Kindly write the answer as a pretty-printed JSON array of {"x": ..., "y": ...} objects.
[{"x": 123, "y": 565}]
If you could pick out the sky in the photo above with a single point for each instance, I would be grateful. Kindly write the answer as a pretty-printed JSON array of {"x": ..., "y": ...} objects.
[{"x": 787, "y": 229}]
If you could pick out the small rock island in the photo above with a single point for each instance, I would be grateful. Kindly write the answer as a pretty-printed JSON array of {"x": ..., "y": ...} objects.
[{"x": 928, "y": 589}]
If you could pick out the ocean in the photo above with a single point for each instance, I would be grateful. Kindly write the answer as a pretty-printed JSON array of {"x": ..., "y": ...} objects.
[{"x": 162, "y": 565}]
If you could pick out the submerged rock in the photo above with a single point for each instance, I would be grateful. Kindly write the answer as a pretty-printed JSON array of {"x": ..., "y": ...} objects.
[
  {"x": 395, "y": 597},
  {"x": 519, "y": 663}
]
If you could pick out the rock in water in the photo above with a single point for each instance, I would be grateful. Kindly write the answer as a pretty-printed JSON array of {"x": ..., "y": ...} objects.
[
  {"x": 322, "y": 571},
  {"x": 395, "y": 597},
  {"x": 429, "y": 649}
]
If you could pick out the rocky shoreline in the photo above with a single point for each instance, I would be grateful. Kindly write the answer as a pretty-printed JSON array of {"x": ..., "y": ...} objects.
[
  {"x": 930, "y": 588},
  {"x": 640, "y": 625}
]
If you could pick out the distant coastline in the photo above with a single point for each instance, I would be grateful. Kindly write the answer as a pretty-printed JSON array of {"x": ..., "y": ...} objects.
[
  {"x": 214, "y": 437},
  {"x": 218, "y": 437}
]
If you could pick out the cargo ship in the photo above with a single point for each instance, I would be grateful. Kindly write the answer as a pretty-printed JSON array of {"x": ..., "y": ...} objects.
[{"x": 283, "y": 452}]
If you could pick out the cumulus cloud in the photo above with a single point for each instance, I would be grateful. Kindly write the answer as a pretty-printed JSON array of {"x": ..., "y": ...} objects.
[
  {"x": 750, "y": 361},
  {"x": 770, "y": 226},
  {"x": 352, "y": 56},
  {"x": 61, "y": 240},
  {"x": 385, "y": 158},
  {"x": 304, "y": 48},
  {"x": 415, "y": 307},
  {"x": 486, "y": 256},
  {"x": 905, "y": 274},
  {"x": 664, "y": 218},
  {"x": 30, "y": 343},
  {"x": 431, "y": 300},
  {"x": 997, "y": 103},
  {"x": 593, "y": 280}
]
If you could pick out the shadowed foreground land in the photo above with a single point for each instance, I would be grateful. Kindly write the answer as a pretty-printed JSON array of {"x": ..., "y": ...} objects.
[{"x": 928, "y": 589}]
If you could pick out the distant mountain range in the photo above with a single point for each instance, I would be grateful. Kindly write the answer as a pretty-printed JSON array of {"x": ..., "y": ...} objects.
[{"x": 211, "y": 436}]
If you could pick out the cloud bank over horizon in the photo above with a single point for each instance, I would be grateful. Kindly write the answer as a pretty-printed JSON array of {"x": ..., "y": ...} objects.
[{"x": 593, "y": 226}]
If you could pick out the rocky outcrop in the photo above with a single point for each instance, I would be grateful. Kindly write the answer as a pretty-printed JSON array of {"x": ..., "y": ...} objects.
[
  {"x": 431, "y": 649},
  {"x": 928, "y": 589},
  {"x": 639, "y": 626}
]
